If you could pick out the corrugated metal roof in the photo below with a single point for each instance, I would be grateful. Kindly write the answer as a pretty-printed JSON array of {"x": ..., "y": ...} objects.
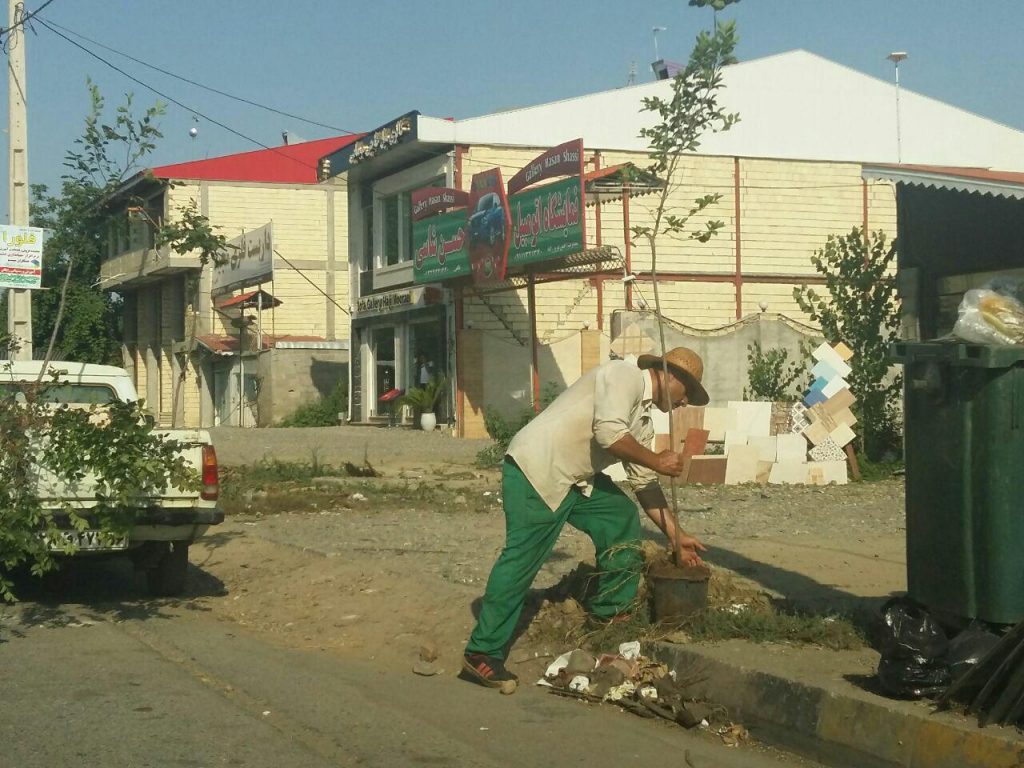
[{"x": 982, "y": 181}]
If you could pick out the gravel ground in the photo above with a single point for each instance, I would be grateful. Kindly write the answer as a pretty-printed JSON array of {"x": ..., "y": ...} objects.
[{"x": 381, "y": 446}]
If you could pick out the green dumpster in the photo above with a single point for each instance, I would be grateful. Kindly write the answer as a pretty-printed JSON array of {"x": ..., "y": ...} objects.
[{"x": 964, "y": 417}]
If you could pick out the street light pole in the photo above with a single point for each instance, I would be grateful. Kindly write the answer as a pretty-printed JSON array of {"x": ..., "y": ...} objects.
[
  {"x": 19, "y": 300},
  {"x": 896, "y": 57}
]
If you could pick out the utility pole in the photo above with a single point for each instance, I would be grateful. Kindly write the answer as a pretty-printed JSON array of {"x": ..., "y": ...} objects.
[
  {"x": 896, "y": 57},
  {"x": 19, "y": 300}
]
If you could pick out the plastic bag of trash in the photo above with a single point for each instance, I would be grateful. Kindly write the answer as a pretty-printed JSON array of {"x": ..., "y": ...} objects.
[
  {"x": 913, "y": 648},
  {"x": 989, "y": 317},
  {"x": 968, "y": 648}
]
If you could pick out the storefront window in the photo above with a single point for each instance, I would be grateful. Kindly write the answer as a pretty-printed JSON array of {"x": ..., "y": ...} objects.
[
  {"x": 384, "y": 359},
  {"x": 392, "y": 232},
  {"x": 426, "y": 355},
  {"x": 394, "y": 204}
]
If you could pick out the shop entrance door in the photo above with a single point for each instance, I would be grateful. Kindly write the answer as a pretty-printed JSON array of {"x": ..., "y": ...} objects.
[{"x": 383, "y": 345}]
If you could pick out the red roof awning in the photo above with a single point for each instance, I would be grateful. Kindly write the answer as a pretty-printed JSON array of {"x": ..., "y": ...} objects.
[{"x": 258, "y": 299}]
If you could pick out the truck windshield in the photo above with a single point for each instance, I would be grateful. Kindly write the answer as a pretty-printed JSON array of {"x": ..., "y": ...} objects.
[{"x": 64, "y": 392}]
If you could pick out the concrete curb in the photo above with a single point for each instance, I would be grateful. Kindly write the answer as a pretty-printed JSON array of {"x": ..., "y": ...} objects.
[{"x": 839, "y": 724}]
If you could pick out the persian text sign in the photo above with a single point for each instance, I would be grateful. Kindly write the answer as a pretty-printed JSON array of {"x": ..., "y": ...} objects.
[
  {"x": 21, "y": 257},
  {"x": 250, "y": 261},
  {"x": 440, "y": 249},
  {"x": 547, "y": 222},
  {"x": 563, "y": 160}
]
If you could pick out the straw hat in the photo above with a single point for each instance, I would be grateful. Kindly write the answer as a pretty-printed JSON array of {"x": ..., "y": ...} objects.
[{"x": 686, "y": 365}]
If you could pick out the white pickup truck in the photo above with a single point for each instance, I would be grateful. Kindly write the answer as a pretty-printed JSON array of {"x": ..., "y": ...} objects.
[{"x": 159, "y": 540}]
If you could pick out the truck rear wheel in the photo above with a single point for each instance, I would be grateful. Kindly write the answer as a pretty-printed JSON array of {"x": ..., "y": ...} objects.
[{"x": 167, "y": 577}]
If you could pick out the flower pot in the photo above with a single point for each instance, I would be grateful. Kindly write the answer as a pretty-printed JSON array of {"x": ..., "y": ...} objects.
[{"x": 427, "y": 422}]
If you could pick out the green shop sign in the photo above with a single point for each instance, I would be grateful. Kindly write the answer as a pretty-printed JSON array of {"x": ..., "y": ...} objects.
[
  {"x": 547, "y": 224},
  {"x": 439, "y": 248}
]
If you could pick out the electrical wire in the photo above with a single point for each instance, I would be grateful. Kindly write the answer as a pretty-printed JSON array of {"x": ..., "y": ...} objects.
[
  {"x": 174, "y": 101},
  {"x": 321, "y": 290},
  {"x": 184, "y": 79},
  {"x": 23, "y": 20}
]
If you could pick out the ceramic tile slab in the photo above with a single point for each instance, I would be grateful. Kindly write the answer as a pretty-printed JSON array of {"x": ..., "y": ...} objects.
[
  {"x": 827, "y": 472},
  {"x": 734, "y": 438},
  {"x": 792, "y": 448},
  {"x": 741, "y": 466},
  {"x": 767, "y": 447},
  {"x": 842, "y": 435},
  {"x": 843, "y": 351},
  {"x": 828, "y": 450},
  {"x": 822, "y": 370},
  {"x": 753, "y": 417},
  {"x": 764, "y": 471},
  {"x": 788, "y": 473},
  {"x": 660, "y": 421},
  {"x": 814, "y": 397},
  {"x": 844, "y": 416},
  {"x": 717, "y": 421},
  {"x": 839, "y": 401},
  {"x": 798, "y": 413},
  {"x": 707, "y": 470},
  {"x": 834, "y": 387},
  {"x": 816, "y": 433},
  {"x": 830, "y": 356},
  {"x": 696, "y": 442}
]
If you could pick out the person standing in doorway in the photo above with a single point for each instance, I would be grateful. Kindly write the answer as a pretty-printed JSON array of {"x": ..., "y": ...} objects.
[{"x": 552, "y": 475}]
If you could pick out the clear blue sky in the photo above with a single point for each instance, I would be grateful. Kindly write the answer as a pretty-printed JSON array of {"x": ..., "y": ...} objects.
[{"x": 355, "y": 65}]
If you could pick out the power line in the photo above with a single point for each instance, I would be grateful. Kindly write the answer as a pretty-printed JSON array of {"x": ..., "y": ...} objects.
[
  {"x": 25, "y": 18},
  {"x": 201, "y": 85},
  {"x": 174, "y": 101},
  {"x": 306, "y": 278}
]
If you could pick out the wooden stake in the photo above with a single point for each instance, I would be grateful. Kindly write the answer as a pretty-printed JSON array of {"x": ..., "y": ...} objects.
[{"x": 851, "y": 458}]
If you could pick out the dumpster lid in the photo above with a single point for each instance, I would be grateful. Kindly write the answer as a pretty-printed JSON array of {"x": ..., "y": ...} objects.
[{"x": 953, "y": 352}]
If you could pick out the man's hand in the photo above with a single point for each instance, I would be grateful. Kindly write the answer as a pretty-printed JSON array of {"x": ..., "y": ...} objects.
[
  {"x": 688, "y": 546},
  {"x": 668, "y": 463}
]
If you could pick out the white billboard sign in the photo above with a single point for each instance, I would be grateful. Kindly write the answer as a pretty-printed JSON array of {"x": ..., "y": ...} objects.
[
  {"x": 21, "y": 256},
  {"x": 250, "y": 261}
]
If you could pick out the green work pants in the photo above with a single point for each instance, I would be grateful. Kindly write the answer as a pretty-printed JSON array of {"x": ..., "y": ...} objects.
[{"x": 608, "y": 516}]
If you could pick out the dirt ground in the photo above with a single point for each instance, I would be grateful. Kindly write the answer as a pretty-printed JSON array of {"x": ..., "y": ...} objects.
[{"x": 380, "y": 567}]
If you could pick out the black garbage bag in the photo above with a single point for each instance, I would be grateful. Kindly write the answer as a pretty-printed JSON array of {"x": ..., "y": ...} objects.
[
  {"x": 968, "y": 648},
  {"x": 913, "y": 648}
]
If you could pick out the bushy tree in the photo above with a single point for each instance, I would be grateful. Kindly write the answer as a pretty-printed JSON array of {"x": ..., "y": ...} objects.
[
  {"x": 859, "y": 307},
  {"x": 76, "y": 318}
]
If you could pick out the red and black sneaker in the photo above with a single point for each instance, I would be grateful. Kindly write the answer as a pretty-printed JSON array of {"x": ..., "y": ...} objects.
[{"x": 488, "y": 671}]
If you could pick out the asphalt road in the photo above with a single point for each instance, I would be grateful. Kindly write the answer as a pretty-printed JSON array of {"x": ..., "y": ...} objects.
[{"x": 150, "y": 683}]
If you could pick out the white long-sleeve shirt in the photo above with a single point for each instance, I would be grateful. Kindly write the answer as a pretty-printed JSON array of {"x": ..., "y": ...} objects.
[{"x": 566, "y": 444}]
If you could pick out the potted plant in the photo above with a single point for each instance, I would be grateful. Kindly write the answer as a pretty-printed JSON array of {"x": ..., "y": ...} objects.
[{"x": 423, "y": 400}]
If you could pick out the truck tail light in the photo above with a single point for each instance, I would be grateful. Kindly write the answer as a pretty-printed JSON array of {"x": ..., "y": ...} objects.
[{"x": 211, "y": 479}]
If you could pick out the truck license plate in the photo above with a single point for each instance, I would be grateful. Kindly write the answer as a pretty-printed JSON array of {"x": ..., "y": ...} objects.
[{"x": 87, "y": 541}]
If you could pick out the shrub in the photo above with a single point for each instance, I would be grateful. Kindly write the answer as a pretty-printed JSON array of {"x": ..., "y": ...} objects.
[
  {"x": 323, "y": 413},
  {"x": 771, "y": 375}
]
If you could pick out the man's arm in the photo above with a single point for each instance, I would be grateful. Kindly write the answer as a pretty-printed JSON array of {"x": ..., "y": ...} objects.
[{"x": 652, "y": 499}]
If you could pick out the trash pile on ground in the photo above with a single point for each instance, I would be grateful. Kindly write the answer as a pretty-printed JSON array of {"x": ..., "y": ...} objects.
[
  {"x": 993, "y": 687},
  {"x": 919, "y": 660},
  {"x": 638, "y": 685}
]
